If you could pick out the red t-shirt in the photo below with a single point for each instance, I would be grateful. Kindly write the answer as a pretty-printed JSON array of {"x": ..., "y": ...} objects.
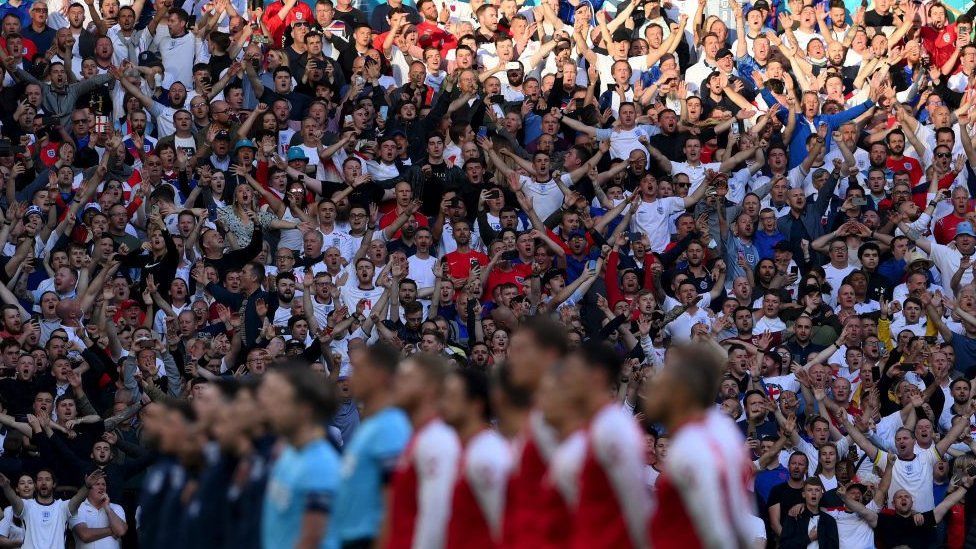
[
  {"x": 939, "y": 43},
  {"x": 459, "y": 263},
  {"x": 277, "y": 27},
  {"x": 945, "y": 228},
  {"x": 30, "y": 49},
  {"x": 516, "y": 275},
  {"x": 390, "y": 216},
  {"x": 907, "y": 164}
]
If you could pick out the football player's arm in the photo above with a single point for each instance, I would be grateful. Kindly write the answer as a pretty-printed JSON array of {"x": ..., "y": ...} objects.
[
  {"x": 437, "y": 469},
  {"x": 314, "y": 519}
]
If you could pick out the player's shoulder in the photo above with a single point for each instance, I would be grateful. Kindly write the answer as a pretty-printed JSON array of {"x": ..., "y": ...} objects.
[
  {"x": 437, "y": 437},
  {"x": 614, "y": 425},
  {"x": 489, "y": 446}
]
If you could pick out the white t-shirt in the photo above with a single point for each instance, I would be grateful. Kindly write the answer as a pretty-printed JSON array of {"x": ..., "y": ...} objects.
[
  {"x": 696, "y": 174},
  {"x": 546, "y": 197},
  {"x": 44, "y": 524},
  {"x": 95, "y": 518},
  {"x": 853, "y": 531},
  {"x": 421, "y": 271},
  {"x": 623, "y": 142},
  {"x": 680, "y": 328},
  {"x": 351, "y": 293},
  {"x": 835, "y": 277},
  {"x": 652, "y": 219},
  {"x": 916, "y": 476},
  {"x": 177, "y": 54}
]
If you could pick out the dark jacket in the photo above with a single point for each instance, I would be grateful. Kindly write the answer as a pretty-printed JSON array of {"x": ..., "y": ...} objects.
[
  {"x": 810, "y": 217},
  {"x": 795, "y": 531}
]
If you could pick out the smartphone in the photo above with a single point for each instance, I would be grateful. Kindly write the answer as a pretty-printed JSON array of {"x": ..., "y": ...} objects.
[
  {"x": 474, "y": 263},
  {"x": 511, "y": 255},
  {"x": 483, "y": 131},
  {"x": 347, "y": 119},
  {"x": 494, "y": 194},
  {"x": 513, "y": 66},
  {"x": 498, "y": 99},
  {"x": 591, "y": 265},
  {"x": 930, "y": 340},
  {"x": 794, "y": 270},
  {"x": 384, "y": 110},
  {"x": 859, "y": 201}
]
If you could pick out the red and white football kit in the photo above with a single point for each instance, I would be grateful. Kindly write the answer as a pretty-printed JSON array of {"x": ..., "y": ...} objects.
[
  {"x": 479, "y": 493},
  {"x": 703, "y": 497},
  {"x": 561, "y": 487},
  {"x": 422, "y": 486},
  {"x": 521, "y": 528},
  {"x": 613, "y": 506}
]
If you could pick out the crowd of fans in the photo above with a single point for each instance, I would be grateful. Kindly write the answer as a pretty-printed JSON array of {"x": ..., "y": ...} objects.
[{"x": 577, "y": 274}]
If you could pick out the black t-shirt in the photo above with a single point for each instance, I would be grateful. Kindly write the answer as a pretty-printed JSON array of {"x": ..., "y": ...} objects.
[
  {"x": 299, "y": 102},
  {"x": 786, "y": 496},
  {"x": 896, "y": 530},
  {"x": 351, "y": 18},
  {"x": 874, "y": 19}
]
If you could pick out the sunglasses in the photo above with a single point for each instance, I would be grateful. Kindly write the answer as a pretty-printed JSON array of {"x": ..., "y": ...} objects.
[{"x": 943, "y": 155}]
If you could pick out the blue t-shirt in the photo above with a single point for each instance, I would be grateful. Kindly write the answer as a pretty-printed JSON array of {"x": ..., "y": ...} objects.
[
  {"x": 368, "y": 461},
  {"x": 301, "y": 480}
]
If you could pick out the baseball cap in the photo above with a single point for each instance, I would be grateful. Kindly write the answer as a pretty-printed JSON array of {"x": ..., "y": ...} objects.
[
  {"x": 296, "y": 153},
  {"x": 621, "y": 35},
  {"x": 150, "y": 59},
  {"x": 761, "y": 5},
  {"x": 782, "y": 246},
  {"x": 577, "y": 233},
  {"x": 551, "y": 274},
  {"x": 724, "y": 52},
  {"x": 33, "y": 210},
  {"x": 245, "y": 143},
  {"x": 222, "y": 134},
  {"x": 965, "y": 228}
]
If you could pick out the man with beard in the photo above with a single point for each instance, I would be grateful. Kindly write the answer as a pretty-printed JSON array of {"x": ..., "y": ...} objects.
[
  {"x": 702, "y": 495},
  {"x": 137, "y": 144},
  {"x": 164, "y": 114},
  {"x": 285, "y": 293},
  {"x": 913, "y": 471},
  {"x": 45, "y": 517},
  {"x": 897, "y": 161},
  {"x": 463, "y": 258}
]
